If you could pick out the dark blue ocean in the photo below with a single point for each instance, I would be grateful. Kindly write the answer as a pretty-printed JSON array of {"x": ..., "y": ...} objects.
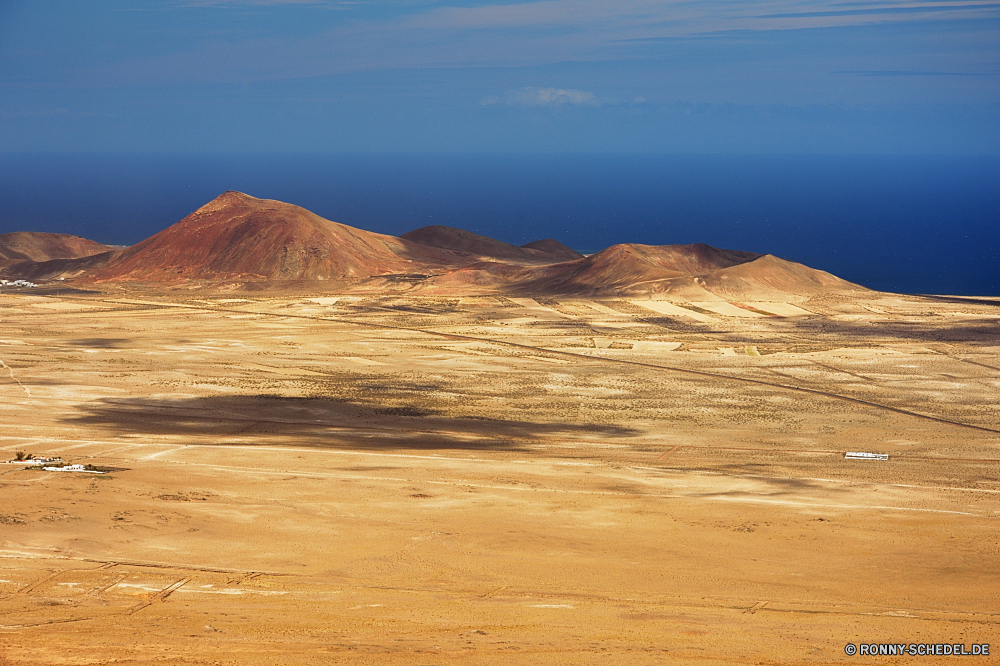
[{"x": 906, "y": 224}]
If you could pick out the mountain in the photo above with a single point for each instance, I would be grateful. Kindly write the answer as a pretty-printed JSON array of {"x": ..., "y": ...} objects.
[
  {"x": 554, "y": 249},
  {"x": 771, "y": 278},
  {"x": 259, "y": 244},
  {"x": 41, "y": 246},
  {"x": 482, "y": 247},
  {"x": 761, "y": 278},
  {"x": 239, "y": 237},
  {"x": 55, "y": 268},
  {"x": 630, "y": 265},
  {"x": 696, "y": 272}
]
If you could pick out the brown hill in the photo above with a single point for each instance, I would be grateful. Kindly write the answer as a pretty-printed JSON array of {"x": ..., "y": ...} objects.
[
  {"x": 55, "y": 268},
  {"x": 40, "y": 246},
  {"x": 239, "y": 237},
  {"x": 766, "y": 278},
  {"x": 631, "y": 265},
  {"x": 554, "y": 249},
  {"x": 769, "y": 277},
  {"x": 483, "y": 247},
  {"x": 266, "y": 244}
]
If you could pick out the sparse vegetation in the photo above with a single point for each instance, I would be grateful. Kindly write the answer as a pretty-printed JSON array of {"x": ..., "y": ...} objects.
[{"x": 669, "y": 492}]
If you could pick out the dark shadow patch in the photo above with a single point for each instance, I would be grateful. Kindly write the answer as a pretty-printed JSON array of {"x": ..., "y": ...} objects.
[
  {"x": 880, "y": 331},
  {"x": 420, "y": 309},
  {"x": 995, "y": 301},
  {"x": 777, "y": 487},
  {"x": 322, "y": 422},
  {"x": 45, "y": 290},
  {"x": 100, "y": 343}
]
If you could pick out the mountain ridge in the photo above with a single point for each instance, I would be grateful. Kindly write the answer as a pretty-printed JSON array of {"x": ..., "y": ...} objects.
[
  {"x": 236, "y": 236},
  {"x": 543, "y": 251},
  {"x": 238, "y": 241}
]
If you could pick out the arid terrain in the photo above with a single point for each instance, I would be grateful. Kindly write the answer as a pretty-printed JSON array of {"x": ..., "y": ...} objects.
[
  {"x": 424, "y": 479},
  {"x": 301, "y": 442}
]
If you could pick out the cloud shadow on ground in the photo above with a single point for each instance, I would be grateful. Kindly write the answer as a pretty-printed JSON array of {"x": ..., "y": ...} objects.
[
  {"x": 101, "y": 343},
  {"x": 323, "y": 422},
  {"x": 844, "y": 333}
]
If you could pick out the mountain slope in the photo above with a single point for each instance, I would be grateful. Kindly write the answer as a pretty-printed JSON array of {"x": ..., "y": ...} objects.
[
  {"x": 554, "y": 249},
  {"x": 239, "y": 237},
  {"x": 771, "y": 277},
  {"x": 41, "y": 246},
  {"x": 483, "y": 247},
  {"x": 55, "y": 268},
  {"x": 257, "y": 243},
  {"x": 622, "y": 266}
]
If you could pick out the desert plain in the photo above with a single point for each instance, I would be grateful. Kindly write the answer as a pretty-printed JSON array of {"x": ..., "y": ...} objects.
[{"x": 403, "y": 479}]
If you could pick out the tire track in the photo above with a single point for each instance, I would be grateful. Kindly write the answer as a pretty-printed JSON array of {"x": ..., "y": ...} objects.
[{"x": 11, "y": 371}]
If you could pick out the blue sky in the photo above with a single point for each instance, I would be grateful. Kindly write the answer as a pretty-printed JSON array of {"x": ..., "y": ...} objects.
[{"x": 714, "y": 76}]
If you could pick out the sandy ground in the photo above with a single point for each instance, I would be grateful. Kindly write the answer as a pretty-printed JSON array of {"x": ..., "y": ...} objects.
[{"x": 489, "y": 481}]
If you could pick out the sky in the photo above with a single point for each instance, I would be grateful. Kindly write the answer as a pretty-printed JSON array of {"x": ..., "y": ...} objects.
[{"x": 519, "y": 76}]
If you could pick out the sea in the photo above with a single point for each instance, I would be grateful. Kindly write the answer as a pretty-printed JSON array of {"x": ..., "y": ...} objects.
[{"x": 910, "y": 224}]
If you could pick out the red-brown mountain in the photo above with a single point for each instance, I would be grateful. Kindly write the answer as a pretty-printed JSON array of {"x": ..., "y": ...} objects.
[
  {"x": 41, "y": 246},
  {"x": 554, "y": 249},
  {"x": 763, "y": 278},
  {"x": 631, "y": 265},
  {"x": 545, "y": 251},
  {"x": 55, "y": 268},
  {"x": 696, "y": 272},
  {"x": 239, "y": 237}
]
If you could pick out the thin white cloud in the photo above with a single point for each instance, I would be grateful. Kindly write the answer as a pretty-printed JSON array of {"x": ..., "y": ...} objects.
[
  {"x": 42, "y": 113},
  {"x": 527, "y": 33},
  {"x": 533, "y": 96},
  {"x": 690, "y": 17}
]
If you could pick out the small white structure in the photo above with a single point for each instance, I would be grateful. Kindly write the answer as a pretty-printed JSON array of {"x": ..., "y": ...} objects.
[
  {"x": 72, "y": 468},
  {"x": 864, "y": 455}
]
